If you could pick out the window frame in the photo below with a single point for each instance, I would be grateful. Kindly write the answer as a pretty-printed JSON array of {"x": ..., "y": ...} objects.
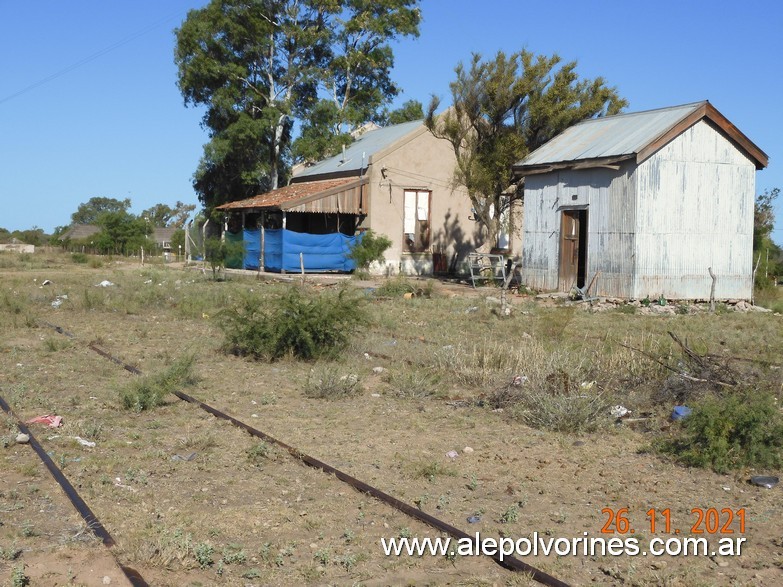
[{"x": 424, "y": 236}]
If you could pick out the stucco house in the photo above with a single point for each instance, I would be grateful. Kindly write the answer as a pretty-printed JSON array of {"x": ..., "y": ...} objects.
[
  {"x": 394, "y": 180},
  {"x": 643, "y": 204}
]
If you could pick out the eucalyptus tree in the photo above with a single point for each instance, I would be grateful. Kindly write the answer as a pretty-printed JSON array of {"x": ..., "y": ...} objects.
[{"x": 258, "y": 66}]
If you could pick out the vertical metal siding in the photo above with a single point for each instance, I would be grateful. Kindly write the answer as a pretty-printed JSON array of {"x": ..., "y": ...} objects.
[
  {"x": 695, "y": 211},
  {"x": 608, "y": 196}
]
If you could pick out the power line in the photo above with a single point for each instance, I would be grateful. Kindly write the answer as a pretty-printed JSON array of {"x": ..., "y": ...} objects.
[{"x": 92, "y": 57}]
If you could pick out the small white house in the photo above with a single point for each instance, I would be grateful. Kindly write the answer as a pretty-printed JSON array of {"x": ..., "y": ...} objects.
[{"x": 642, "y": 205}]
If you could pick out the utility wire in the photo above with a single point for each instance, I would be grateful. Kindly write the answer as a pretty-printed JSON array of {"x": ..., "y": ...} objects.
[{"x": 92, "y": 57}]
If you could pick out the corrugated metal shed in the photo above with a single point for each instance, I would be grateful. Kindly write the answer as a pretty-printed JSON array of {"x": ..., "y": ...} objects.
[
  {"x": 358, "y": 153},
  {"x": 625, "y": 136}
]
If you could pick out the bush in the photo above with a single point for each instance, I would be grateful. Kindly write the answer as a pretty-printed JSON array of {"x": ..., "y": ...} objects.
[
  {"x": 742, "y": 429},
  {"x": 327, "y": 383},
  {"x": 149, "y": 391},
  {"x": 295, "y": 324},
  {"x": 370, "y": 248}
]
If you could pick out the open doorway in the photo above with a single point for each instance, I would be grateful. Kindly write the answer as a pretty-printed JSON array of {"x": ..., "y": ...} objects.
[{"x": 573, "y": 249}]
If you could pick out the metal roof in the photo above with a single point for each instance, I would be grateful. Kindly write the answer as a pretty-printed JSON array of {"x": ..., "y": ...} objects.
[
  {"x": 358, "y": 153},
  {"x": 329, "y": 195},
  {"x": 610, "y": 136}
]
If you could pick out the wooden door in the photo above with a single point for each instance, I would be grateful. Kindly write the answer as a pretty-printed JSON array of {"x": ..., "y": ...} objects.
[{"x": 573, "y": 249}]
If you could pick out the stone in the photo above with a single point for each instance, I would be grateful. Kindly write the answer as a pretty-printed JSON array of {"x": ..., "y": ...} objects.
[
  {"x": 378, "y": 370},
  {"x": 106, "y": 580},
  {"x": 22, "y": 438},
  {"x": 467, "y": 450}
]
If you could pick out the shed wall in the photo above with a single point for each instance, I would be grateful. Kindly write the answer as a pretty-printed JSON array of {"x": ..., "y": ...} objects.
[
  {"x": 607, "y": 194},
  {"x": 695, "y": 211},
  {"x": 422, "y": 163}
]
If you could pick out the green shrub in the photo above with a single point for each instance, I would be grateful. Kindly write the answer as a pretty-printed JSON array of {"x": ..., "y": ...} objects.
[
  {"x": 294, "y": 323},
  {"x": 742, "y": 429},
  {"x": 79, "y": 257},
  {"x": 149, "y": 391},
  {"x": 370, "y": 248}
]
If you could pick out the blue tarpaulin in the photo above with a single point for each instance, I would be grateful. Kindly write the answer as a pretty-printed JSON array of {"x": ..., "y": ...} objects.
[
  {"x": 252, "y": 240},
  {"x": 320, "y": 252}
]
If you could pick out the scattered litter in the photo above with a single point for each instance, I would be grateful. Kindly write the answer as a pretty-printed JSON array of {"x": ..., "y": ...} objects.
[
  {"x": 367, "y": 356},
  {"x": 46, "y": 282},
  {"x": 375, "y": 395},
  {"x": 378, "y": 370},
  {"x": 392, "y": 342},
  {"x": 104, "y": 283},
  {"x": 764, "y": 481},
  {"x": 93, "y": 397},
  {"x": 118, "y": 483},
  {"x": 83, "y": 442},
  {"x": 448, "y": 347},
  {"x": 474, "y": 519},
  {"x": 254, "y": 415},
  {"x": 472, "y": 309},
  {"x": 467, "y": 450},
  {"x": 22, "y": 438},
  {"x": 619, "y": 411},
  {"x": 254, "y": 402},
  {"x": 51, "y": 421},
  {"x": 452, "y": 454},
  {"x": 57, "y": 303},
  {"x": 519, "y": 380},
  {"x": 186, "y": 458},
  {"x": 148, "y": 281},
  {"x": 587, "y": 384},
  {"x": 409, "y": 295},
  {"x": 497, "y": 411},
  {"x": 680, "y": 412},
  {"x": 725, "y": 488}
]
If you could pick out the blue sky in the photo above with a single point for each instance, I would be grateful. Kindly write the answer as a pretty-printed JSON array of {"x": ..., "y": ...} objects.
[{"x": 89, "y": 104}]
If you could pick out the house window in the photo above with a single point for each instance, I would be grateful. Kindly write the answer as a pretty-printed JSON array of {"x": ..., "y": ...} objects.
[{"x": 416, "y": 221}]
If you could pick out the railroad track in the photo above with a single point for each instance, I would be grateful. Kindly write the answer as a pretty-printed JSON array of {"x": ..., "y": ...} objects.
[{"x": 508, "y": 562}]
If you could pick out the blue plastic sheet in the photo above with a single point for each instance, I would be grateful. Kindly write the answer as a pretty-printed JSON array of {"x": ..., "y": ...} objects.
[
  {"x": 320, "y": 252},
  {"x": 252, "y": 240}
]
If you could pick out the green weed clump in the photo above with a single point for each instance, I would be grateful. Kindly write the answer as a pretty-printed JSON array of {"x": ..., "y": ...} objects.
[
  {"x": 150, "y": 391},
  {"x": 293, "y": 324},
  {"x": 741, "y": 429}
]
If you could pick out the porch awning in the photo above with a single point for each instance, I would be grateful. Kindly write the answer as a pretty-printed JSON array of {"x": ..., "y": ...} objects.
[{"x": 343, "y": 195}]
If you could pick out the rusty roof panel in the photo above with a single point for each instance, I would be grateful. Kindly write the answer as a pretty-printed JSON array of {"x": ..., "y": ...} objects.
[{"x": 329, "y": 195}]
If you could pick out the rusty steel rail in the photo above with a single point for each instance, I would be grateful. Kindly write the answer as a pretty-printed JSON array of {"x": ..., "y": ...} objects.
[
  {"x": 508, "y": 562},
  {"x": 92, "y": 521}
]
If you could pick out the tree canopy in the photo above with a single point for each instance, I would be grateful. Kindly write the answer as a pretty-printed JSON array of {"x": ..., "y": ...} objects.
[
  {"x": 260, "y": 66},
  {"x": 164, "y": 215},
  {"x": 767, "y": 254},
  {"x": 90, "y": 211},
  {"x": 502, "y": 109}
]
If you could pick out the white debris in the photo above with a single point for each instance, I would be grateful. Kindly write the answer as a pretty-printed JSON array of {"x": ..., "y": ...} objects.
[
  {"x": 104, "y": 283},
  {"x": 619, "y": 411}
]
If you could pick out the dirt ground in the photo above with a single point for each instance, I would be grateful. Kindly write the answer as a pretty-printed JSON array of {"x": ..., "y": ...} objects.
[{"x": 192, "y": 500}]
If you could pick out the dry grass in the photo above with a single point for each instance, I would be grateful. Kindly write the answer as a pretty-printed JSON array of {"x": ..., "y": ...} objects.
[{"x": 241, "y": 512}]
